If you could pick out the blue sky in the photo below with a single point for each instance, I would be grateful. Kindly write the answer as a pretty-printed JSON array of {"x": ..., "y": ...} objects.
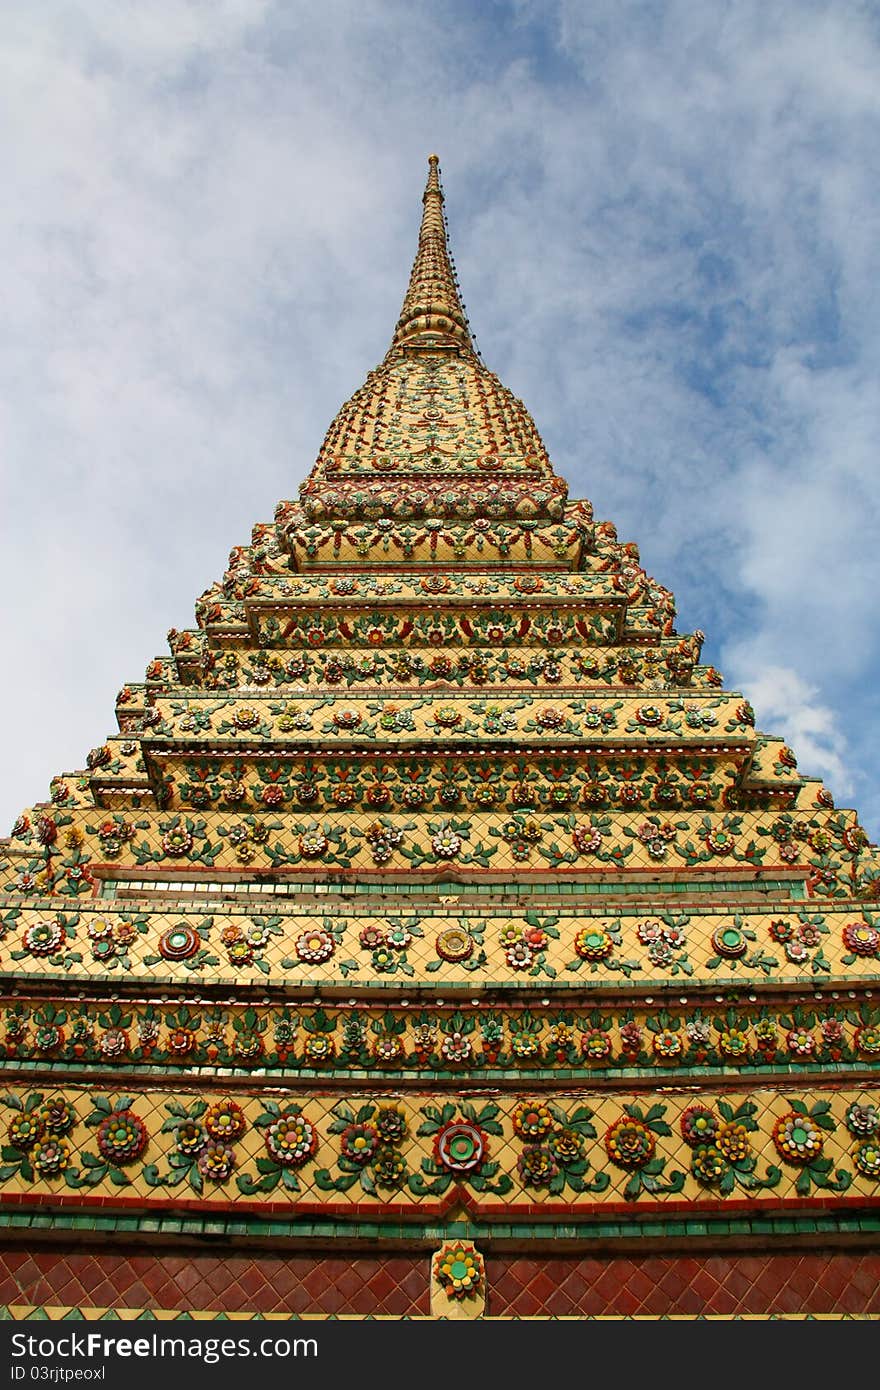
[{"x": 664, "y": 218}]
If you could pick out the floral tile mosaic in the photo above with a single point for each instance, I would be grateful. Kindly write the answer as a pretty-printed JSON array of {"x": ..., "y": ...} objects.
[
  {"x": 298, "y": 942},
  {"x": 359, "y": 1152},
  {"x": 456, "y": 1039}
]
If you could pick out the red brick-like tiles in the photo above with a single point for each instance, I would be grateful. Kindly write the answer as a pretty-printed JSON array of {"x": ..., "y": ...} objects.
[
  {"x": 569, "y": 1286},
  {"x": 395, "y": 1285}
]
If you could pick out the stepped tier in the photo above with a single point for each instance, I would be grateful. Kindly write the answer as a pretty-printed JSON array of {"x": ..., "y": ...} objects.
[
  {"x": 599, "y": 618},
  {"x": 74, "y": 850},
  {"x": 377, "y": 545},
  {"x": 578, "y": 543},
  {"x": 526, "y": 667},
  {"x": 456, "y": 758},
  {"x": 711, "y": 720},
  {"x": 387, "y": 589},
  {"x": 245, "y": 577},
  {"x": 608, "y": 941},
  {"x": 419, "y": 1158},
  {"x": 414, "y": 775}
]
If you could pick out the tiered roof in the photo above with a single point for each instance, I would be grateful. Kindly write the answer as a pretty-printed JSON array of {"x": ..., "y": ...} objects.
[{"x": 435, "y": 801}]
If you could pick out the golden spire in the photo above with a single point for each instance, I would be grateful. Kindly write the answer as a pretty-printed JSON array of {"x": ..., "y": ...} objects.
[
  {"x": 432, "y": 315},
  {"x": 432, "y": 432}
]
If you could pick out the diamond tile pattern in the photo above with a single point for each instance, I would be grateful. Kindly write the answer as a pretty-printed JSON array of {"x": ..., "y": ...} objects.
[
  {"x": 823, "y": 1282},
  {"x": 393, "y": 1285},
  {"x": 652, "y": 1286}
]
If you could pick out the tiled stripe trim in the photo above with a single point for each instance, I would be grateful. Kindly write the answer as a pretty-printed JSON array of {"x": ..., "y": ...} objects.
[
  {"x": 61, "y": 1313},
  {"x": 111, "y": 888},
  {"x": 804, "y": 1223}
]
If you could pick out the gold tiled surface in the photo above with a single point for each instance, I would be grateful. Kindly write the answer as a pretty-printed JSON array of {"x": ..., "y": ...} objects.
[
  {"x": 319, "y": 591},
  {"x": 408, "y": 1171},
  {"x": 581, "y": 777},
  {"x": 526, "y": 668},
  {"x": 75, "y": 788},
  {"x": 768, "y": 762},
  {"x": 450, "y": 716},
  {"x": 467, "y": 625},
  {"x": 276, "y": 930},
  {"x": 342, "y": 1037},
  {"x": 366, "y": 840},
  {"x": 558, "y": 545}
]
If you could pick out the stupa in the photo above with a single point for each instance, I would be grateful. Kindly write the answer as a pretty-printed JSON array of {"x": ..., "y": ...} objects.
[{"x": 437, "y": 936}]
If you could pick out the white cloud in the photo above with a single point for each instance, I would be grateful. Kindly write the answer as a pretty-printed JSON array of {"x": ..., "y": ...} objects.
[{"x": 791, "y": 708}]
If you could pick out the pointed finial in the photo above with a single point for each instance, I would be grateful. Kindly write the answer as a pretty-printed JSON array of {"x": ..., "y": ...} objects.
[{"x": 432, "y": 313}]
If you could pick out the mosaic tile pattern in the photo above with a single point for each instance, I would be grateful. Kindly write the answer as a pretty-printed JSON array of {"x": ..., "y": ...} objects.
[
  {"x": 542, "y": 1155},
  {"x": 542, "y": 1039},
  {"x": 829, "y": 1283},
  {"x": 748, "y": 1284},
  {"x": 193, "y": 1281},
  {"x": 463, "y": 946}
]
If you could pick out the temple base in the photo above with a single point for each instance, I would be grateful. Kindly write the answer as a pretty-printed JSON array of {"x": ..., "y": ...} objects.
[{"x": 56, "y": 1280}]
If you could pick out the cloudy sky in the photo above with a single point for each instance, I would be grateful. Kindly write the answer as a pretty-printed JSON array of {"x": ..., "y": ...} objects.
[{"x": 665, "y": 220}]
